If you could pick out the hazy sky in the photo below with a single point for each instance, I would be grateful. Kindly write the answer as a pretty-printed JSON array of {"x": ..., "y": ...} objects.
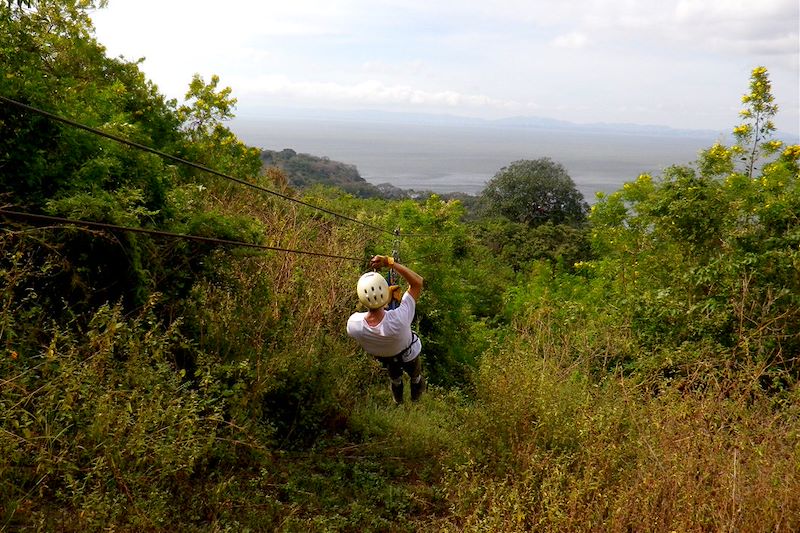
[{"x": 680, "y": 63}]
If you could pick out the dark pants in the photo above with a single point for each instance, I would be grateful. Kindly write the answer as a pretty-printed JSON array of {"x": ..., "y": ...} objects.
[{"x": 396, "y": 366}]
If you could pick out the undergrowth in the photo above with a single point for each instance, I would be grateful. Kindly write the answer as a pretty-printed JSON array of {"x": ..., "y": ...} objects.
[{"x": 638, "y": 372}]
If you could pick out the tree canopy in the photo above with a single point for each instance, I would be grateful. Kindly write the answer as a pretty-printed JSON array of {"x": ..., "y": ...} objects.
[
  {"x": 757, "y": 126},
  {"x": 50, "y": 59},
  {"x": 534, "y": 192}
]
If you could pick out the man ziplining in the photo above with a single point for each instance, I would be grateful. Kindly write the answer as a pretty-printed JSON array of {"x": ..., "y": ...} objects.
[{"x": 386, "y": 333}]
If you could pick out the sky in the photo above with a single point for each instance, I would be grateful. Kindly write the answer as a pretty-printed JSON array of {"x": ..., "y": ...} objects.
[{"x": 678, "y": 63}]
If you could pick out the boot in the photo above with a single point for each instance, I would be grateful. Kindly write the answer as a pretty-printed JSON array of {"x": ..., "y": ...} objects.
[
  {"x": 397, "y": 392},
  {"x": 417, "y": 389}
]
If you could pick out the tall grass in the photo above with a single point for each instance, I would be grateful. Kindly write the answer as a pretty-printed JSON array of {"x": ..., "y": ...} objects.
[
  {"x": 149, "y": 418},
  {"x": 550, "y": 448},
  {"x": 244, "y": 406}
]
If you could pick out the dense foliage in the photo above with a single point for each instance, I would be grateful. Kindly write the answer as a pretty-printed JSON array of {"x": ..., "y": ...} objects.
[
  {"x": 288, "y": 168},
  {"x": 535, "y": 192},
  {"x": 51, "y": 61},
  {"x": 304, "y": 170},
  {"x": 636, "y": 370}
]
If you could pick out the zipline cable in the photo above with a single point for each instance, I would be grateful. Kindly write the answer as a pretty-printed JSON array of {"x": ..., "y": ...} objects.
[
  {"x": 425, "y": 235},
  {"x": 182, "y": 161},
  {"x": 30, "y": 217}
]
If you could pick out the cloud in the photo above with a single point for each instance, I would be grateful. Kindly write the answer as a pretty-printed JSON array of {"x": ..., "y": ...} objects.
[
  {"x": 373, "y": 92},
  {"x": 729, "y": 27},
  {"x": 403, "y": 68},
  {"x": 767, "y": 27},
  {"x": 476, "y": 58},
  {"x": 776, "y": 45},
  {"x": 571, "y": 40},
  {"x": 726, "y": 26},
  {"x": 733, "y": 9}
]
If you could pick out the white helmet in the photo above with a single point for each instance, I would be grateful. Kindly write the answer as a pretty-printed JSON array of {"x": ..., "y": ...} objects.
[{"x": 373, "y": 291}]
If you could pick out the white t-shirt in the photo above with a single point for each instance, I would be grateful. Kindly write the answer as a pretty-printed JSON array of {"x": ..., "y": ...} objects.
[{"x": 391, "y": 336}]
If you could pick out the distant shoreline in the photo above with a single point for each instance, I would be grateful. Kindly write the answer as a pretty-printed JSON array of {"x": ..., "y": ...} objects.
[{"x": 462, "y": 158}]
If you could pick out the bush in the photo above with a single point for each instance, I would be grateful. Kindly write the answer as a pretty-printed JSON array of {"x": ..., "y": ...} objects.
[{"x": 105, "y": 423}]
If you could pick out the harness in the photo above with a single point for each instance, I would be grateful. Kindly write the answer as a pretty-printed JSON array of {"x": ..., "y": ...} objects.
[
  {"x": 391, "y": 279},
  {"x": 398, "y": 358}
]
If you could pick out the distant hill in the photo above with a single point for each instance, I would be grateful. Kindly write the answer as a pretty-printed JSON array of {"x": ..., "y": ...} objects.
[
  {"x": 514, "y": 122},
  {"x": 305, "y": 170}
]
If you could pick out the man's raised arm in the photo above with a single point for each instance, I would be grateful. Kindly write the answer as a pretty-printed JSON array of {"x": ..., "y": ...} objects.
[{"x": 415, "y": 281}]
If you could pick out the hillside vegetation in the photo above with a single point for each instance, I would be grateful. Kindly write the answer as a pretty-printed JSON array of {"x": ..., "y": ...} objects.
[
  {"x": 629, "y": 368},
  {"x": 304, "y": 170},
  {"x": 287, "y": 168}
]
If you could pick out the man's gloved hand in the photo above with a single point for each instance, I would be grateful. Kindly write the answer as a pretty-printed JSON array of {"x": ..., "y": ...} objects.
[
  {"x": 380, "y": 261},
  {"x": 395, "y": 293}
]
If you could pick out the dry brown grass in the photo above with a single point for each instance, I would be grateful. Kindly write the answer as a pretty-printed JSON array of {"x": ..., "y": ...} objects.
[{"x": 552, "y": 450}]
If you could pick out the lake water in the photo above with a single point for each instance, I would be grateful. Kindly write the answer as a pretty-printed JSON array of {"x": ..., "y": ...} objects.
[{"x": 451, "y": 158}]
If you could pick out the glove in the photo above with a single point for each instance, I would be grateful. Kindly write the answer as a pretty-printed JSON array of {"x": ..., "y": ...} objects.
[
  {"x": 395, "y": 293},
  {"x": 381, "y": 260}
]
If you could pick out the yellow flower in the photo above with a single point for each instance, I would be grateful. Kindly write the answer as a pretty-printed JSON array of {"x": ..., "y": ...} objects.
[
  {"x": 792, "y": 152},
  {"x": 718, "y": 150},
  {"x": 14, "y": 355}
]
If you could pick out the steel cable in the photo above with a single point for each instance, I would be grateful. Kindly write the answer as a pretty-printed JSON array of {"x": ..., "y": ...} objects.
[
  {"x": 211, "y": 240},
  {"x": 183, "y": 161}
]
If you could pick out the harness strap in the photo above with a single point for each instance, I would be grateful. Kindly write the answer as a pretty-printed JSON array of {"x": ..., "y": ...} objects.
[{"x": 399, "y": 357}]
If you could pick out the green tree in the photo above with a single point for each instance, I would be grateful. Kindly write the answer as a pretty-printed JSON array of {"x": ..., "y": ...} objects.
[
  {"x": 518, "y": 245},
  {"x": 50, "y": 59},
  {"x": 708, "y": 259},
  {"x": 534, "y": 192},
  {"x": 209, "y": 141},
  {"x": 206, "y": 106},
  {"x": 753, "y": 134}
]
